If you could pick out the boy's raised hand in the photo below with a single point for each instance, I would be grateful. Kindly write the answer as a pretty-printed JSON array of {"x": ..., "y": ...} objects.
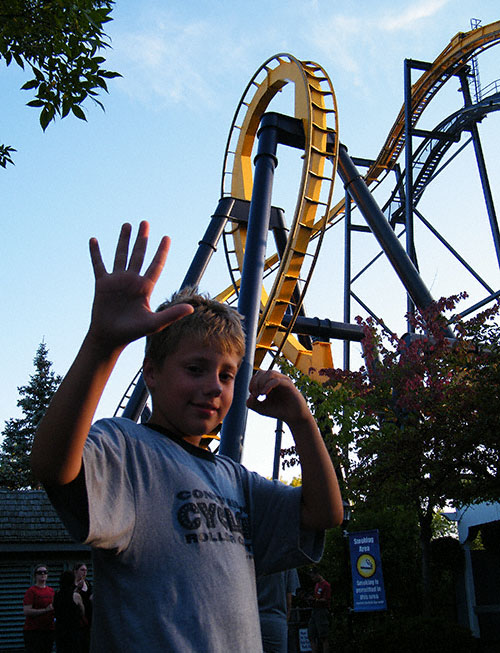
[
  {"x": 279, "y": 398},
  {"x": 121, "y": 312}
]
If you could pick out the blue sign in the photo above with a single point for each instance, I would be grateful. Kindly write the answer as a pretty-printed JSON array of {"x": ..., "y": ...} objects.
[{"x": 366, "y": 569}]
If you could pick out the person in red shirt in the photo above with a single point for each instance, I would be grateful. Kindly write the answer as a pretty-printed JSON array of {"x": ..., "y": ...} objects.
[
  {"x": 39, "y": 623},
  {"x": 318, "y": 626}
]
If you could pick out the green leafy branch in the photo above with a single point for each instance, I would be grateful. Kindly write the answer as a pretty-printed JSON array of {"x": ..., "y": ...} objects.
[{"x": 60, "y": 42}]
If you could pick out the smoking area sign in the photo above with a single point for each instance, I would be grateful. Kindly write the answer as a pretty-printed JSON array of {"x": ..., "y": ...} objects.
[
  {"x": 366, "y": 569},
  {"x": 304, "y": 643}
]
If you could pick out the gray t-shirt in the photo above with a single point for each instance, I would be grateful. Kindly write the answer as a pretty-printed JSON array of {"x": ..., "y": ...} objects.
[{"x": 178, "y": 535}]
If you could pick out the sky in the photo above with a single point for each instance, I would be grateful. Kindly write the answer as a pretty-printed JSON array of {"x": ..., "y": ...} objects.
[{"x": 156, "y": 153}]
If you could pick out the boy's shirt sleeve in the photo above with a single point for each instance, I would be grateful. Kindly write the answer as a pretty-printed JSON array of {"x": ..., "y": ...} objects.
[
  {"x": 109, "y": 487},
  {"x": 279, "y": 541},
  {"x": 98, "y": 508}
]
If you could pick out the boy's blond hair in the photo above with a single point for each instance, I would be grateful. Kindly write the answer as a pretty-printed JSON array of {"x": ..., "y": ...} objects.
[{"x": 212, "y": 323}]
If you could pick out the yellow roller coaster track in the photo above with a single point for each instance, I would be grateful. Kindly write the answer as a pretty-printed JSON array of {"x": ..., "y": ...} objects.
[
  {"x": 315, "y": 105},
  {"x": 460, "y": 50}
]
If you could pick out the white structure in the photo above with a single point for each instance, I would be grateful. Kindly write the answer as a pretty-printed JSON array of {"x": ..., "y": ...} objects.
[{"x": 466, "y": 519}]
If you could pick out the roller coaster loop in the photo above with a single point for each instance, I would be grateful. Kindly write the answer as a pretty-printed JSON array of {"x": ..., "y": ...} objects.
[{"x": 290, "y": 268}]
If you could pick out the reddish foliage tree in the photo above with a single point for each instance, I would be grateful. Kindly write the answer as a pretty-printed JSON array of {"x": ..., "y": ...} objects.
[{"x": 419, "y": 424}]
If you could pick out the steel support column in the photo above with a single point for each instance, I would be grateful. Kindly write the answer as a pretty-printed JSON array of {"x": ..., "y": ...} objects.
[
  {"x": 481, "y": 165},
  {"x": 233, "y": 429},
  {"x": 277, "y": 449},
  {"x": 410, "y": 243},
  {"x": 207, "y": 246},
  {"x": 383, "y": 232},
  {"x": 347, "y": 276}
]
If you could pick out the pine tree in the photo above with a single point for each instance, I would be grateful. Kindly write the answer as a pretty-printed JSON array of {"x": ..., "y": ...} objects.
[{"x": 19, "y": 432}]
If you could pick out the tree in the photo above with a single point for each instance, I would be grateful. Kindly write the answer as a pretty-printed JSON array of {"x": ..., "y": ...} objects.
[
  {"x": 19, "y": 432},
  {"x": 418, "y": 426},
  {"x": 59, "y": 41}
]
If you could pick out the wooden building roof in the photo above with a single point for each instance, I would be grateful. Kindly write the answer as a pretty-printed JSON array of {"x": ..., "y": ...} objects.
[{"x": 28, "y": 521}]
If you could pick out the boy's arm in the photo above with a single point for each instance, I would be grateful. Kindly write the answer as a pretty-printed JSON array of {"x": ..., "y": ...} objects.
[
  {"x": 120, "y": 315},
  {"x": 321, "y": 499}
]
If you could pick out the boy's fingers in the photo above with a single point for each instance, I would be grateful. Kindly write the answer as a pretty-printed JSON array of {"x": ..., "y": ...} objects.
[
  {"x": 264, "y": 389},
  {"x": 156, "y": 265},
  {"x": 172, "y": 314},
  {"x": 263, "y": 382},
  {"x": 257, "y": 406},
  {"x": 121, "y": 254},
  {"x": 139, "y": 250},
  {"x": 96, "y": 258}
]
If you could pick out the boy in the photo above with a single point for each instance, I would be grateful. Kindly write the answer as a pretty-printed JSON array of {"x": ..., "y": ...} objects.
[{"x": 177, "y": 533}]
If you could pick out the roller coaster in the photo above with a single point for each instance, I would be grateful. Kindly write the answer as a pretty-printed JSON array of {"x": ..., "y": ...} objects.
[{"x": 269, "y": 283}]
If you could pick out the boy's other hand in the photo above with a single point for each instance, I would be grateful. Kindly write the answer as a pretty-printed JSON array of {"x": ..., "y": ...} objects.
[
  {"x": 274, "y": 395},
  {"x": 121, "y": 312}
]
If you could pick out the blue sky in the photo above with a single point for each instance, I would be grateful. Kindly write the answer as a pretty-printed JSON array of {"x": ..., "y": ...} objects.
[{"x": 156, "y": 153}]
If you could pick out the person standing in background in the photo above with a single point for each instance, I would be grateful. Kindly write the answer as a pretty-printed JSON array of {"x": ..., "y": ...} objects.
[
  {"x": 84, "y": 589},
  {"x": 274, "y": 596},
  {"x": 38, "y": 629},
  {"x": 319, "y": 622},
  {"x": 69, "y": 611}
]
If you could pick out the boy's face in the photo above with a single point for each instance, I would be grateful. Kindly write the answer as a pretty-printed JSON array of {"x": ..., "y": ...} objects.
[{"x": 192, "y": 390}]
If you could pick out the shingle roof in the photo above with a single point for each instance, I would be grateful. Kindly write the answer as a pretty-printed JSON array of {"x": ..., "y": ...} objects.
[{"x": 28, "y": 516}]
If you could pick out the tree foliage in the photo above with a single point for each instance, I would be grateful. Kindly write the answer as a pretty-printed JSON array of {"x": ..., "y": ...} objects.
[
  {"x": 19, "y": 432},
  {"x": 436, "y": 405},
  {"x": 59, "y": 41},
  {"x": 418, "y": 425}
]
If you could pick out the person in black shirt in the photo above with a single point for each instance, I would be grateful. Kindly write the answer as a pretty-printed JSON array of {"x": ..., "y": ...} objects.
[{"x": 68, "y": 611}]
